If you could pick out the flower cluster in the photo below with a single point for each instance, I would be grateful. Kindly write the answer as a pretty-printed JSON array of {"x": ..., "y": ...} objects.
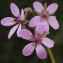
[{"x": 40, "y": 25}]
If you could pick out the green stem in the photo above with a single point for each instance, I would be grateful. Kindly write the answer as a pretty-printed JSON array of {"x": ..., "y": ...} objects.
[{"x": 51, "y": 55}]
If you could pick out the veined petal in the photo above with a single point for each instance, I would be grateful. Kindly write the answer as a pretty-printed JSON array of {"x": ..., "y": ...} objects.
[
  {"x": 52, "y": 8},
  {"x": 41, "y": 52},
  {"x": 34, "y": 21},
  {"x": 19, "y": 29},
  {"x": 22, "y": 14},
  {"x": 14, "y": 9},
  {"x": 53, "y": 22},
  {"x": 25, "y": 34},
  {"x": 28, "y": 49},
  {"x": 38, "y": 6},
  {"x": 40, "y": 28},
  {"x": 8, "y": 21},
  {"x": 48, "y": 42},
  {"x": 12, "y": 31}
]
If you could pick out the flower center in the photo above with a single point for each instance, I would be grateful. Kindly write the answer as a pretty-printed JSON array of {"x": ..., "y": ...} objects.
[
  {"x": 44, "y": 14},
  {"x": 18, "y": 20},
  {"x": 36, "y": 39}
]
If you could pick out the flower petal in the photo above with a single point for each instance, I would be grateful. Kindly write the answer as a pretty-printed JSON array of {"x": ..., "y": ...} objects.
[
  {"x": 14, "y": 9},
  {"x": 53, "y": 23},
  {"x": 8, "y": 21},
  {"x": 19, "y": 29},
  {"x": 52, "y": 8},
  {"x": 28, "y": 49},
  {"x": 38, "y": 6},
  {"x": 42, "y": 27},
  {"x": 41, "y": 52},
  {"x": 12, "y": 31},
  {"x": 34, "y": 21},
  {"x": 46, "y": 26},
  {"x": 25, "y": 34},
  {"x": 48, "y": 42},
  {"x": 22, "y": 14}
]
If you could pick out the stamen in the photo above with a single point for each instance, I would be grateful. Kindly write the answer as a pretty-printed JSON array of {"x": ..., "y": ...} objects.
[
  {"x": 44, "y": 14},
  {"x": 36, "y": 39}
]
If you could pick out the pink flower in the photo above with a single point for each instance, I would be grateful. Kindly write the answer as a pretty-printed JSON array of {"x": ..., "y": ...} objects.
[
  {"x": 44, "y": 15},
  {"x": 9, "y": 21},
  {"x": 37, "y": 41}
]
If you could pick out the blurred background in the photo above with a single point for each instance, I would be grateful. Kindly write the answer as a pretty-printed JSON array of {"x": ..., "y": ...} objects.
[{"x": 11, "y": 49}]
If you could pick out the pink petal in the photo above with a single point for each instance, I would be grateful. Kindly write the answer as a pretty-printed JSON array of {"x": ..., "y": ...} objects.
[
  {"x": 22, "y": 14},
  {"x": 41, "y": 52},
  {"x": 28, "y": 49},
  {"x": 34, "y": 21},
  {"x": 40, "y": 29},
  {"x": 48, "y": 42},
  {"x": 38, "y": 6},
  {"x": 8, "y": 21},
  {"x": 14, "y": 9},
  {"x": 19, "y": 29},
  {"x": 52, "y": 8},
  {"x": 12, "y": 31},
  {"x": 53, "y": 22},
  {"x": 46, "y": 26},
  {"x": 25, "y": 34}
]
